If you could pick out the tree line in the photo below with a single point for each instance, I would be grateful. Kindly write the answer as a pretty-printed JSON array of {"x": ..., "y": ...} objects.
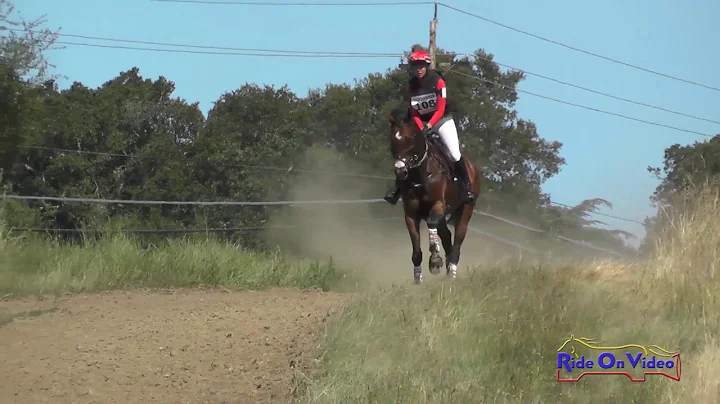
[{"x": 152, "y": 145}]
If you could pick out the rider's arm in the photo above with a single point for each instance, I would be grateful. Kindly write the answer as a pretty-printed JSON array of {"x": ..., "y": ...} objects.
[
  {"x": 441, "y": 92},
  {"x": 415, "y": 114}
]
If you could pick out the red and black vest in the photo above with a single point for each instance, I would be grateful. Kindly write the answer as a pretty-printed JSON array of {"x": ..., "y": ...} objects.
[{"x": 424, "y": 95}]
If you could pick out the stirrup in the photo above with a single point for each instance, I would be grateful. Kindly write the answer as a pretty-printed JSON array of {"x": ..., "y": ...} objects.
[{"x": 392, "y": 196}]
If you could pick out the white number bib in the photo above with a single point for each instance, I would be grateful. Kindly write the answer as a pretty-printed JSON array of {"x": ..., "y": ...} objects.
[{"x": 424, "y": 104}]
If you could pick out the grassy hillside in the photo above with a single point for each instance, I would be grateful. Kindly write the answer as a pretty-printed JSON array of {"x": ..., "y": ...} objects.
[{"x": 492, "y": 336}]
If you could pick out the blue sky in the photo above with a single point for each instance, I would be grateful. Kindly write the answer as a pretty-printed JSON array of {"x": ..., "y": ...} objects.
[{"x": 606, "y": 156}]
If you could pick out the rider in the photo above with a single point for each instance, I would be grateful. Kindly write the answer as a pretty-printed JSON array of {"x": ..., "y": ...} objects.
[{"x": 428, "y": 100}]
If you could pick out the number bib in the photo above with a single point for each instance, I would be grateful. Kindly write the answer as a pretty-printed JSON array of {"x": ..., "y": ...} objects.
[{"x": 424, "y": 103}]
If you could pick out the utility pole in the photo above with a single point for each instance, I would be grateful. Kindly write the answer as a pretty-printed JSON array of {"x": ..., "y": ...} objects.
[{"x": 433, "y": 37}]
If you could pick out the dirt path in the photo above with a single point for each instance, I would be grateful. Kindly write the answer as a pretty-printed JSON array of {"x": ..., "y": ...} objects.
[{"x": 172, "y": 347}]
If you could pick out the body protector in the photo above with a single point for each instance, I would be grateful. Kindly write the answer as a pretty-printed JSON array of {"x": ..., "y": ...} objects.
[{"x": 429, "y": 103}]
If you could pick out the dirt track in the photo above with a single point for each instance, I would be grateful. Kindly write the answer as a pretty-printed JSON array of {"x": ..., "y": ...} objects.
[{"x": 165, "y": 347}]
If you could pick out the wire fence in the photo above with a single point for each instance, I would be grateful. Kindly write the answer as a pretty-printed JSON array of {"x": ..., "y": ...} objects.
[
  {"x": 282, "y": 203},
  {"x": 193, "y": 203},
  {"x": 563, "y": 238},
  {"x": 181, "y": 231},
  {"x": 288, "y": 170},
  {"x": 504, "y": 240}
]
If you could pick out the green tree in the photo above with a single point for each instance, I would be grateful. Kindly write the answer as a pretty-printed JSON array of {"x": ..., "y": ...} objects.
[
  {"x": 575, "y": 222},
  {"x": 683, "y": 167},
  {"x": 23, "y": 44},
  {"x": 11, "y": 101},
  {"x": 248, "y": 128},
  {"x": 127, "y": 116}
]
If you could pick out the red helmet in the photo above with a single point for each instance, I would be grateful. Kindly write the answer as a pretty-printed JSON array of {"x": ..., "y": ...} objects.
[{"x": 419, "y": 56}]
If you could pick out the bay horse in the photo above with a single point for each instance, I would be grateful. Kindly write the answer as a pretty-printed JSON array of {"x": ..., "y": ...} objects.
[{"x": 430, "y": 192}]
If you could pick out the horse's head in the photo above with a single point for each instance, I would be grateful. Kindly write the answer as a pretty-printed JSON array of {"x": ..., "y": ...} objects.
[{"x": 407, "y": 143}]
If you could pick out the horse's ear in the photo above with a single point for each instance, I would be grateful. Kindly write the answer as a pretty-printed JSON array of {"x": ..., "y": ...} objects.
[{"x": 399, "y": 115}]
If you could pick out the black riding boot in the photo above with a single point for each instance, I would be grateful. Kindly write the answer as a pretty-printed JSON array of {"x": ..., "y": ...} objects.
[
  {"x": 393, "y": 194},
  {"x": 465, "y": 178}
]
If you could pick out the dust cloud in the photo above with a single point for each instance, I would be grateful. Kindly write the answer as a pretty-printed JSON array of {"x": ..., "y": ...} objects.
[{"x": 369, "y": 242}]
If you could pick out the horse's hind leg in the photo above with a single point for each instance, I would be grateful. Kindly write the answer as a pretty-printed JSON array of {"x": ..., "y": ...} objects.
[
  {"x": 446, "y": 239},
  {"x": 413, "y": 226},
  {"x": 434, "y": 220},
  {"x": 460, "y": 231}
]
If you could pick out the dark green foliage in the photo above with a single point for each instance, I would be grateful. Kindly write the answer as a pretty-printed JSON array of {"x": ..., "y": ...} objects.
[{"x": 684, "y": 167}]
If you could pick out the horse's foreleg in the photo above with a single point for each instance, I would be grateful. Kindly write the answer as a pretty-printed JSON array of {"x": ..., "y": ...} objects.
[
  {"x": 434, "y": 220},
  {"x": 413, "y": 226},
  {"x": 460, "y": 232}
]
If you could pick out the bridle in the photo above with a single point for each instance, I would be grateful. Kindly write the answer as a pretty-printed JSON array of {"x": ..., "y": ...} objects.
[{"x": 415, "y": 160}]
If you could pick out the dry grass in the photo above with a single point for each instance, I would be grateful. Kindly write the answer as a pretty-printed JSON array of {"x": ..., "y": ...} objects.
[{"x": 492, "y": 336}]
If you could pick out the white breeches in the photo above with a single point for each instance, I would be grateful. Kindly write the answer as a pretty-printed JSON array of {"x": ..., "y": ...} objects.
[{"x": 449, "y": 136}]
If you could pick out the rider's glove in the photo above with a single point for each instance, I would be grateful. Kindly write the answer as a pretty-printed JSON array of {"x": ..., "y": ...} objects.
[{"x": 428, "y": 130}]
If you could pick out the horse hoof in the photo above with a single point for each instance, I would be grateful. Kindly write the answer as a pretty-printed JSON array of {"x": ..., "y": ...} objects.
[{"x": 436, "y": 264}]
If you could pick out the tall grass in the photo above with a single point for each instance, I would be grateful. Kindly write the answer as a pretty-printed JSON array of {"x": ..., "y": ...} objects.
[
  {"x": 493, "y": 335},
  {"x": 40, "y": 265},
  {"x": 684, "y": 274}
]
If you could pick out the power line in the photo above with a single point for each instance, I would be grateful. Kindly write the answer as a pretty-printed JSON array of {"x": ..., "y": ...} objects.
[
  {"x": 362, "y": 56},
  {"x": 335, "y": 55},
  {"x": 340, "y": 55},
  {"x": 287, "y": 170},
  {"x": 289, "y": 52},
  {"x": 595, "y": 91},
  {"x": 397, "y": 3},
  {"x": 583, "y": 106},
  {"x": 275, "y": 3},
  {"x": 284, "y": 51},
  {"x": 580, "y": 50}
]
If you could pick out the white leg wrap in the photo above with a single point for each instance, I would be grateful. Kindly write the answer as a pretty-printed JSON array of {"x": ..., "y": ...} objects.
[
  {"x": 417, "y": 273},
  {"x": 452, "y": 270},
  {"x": 434, "y": 241}
]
